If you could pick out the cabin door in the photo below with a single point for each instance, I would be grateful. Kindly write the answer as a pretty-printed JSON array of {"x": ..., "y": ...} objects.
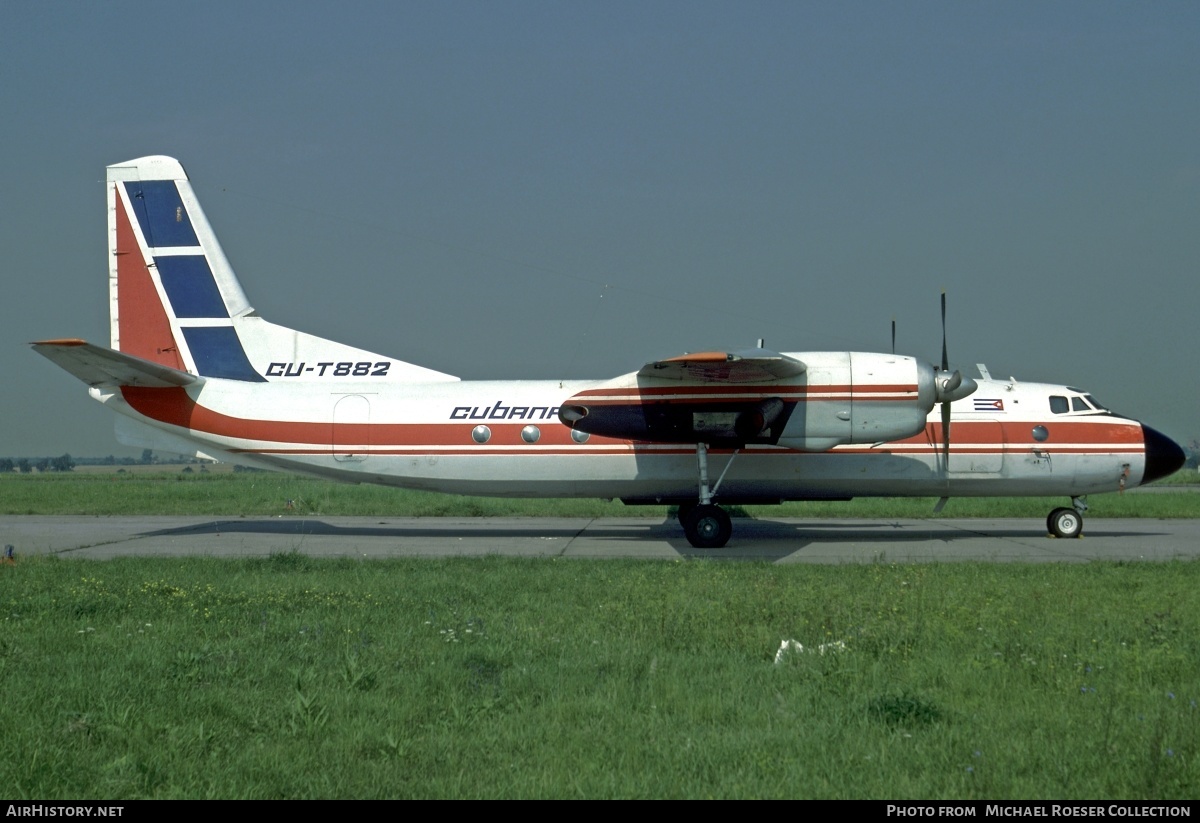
[{"x": 351, "y": 428}]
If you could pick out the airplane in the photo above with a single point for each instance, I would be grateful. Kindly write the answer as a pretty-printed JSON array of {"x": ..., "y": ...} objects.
[{"x": 192, "y": 368}]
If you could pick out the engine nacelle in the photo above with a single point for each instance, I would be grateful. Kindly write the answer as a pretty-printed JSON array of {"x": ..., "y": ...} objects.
[
  {"x": 859, "y": 397},
  {"x": 840, "y": 398}
]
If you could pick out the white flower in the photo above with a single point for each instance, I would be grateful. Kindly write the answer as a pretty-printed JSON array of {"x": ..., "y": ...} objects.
[{"x": 796, "y": 646}]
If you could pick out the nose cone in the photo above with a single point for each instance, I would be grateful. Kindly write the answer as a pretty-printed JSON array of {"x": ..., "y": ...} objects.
[{"x": 1163, "y": 455}]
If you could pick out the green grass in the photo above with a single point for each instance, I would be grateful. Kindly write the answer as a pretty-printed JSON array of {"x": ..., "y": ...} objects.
[
  {"x": 292, "y": 677},
  {"x": 1183, "y": 477},
  {"x": 266, "y": 494},
  {"x": 258, "y": 493}
]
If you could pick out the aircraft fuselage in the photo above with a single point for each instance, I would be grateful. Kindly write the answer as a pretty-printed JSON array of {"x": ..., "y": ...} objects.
[{"x": 504, "y": 438}]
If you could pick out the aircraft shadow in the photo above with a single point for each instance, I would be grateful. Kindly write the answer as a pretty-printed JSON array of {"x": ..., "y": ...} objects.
[
  {"x": 752, "y": 540},
  {"x": 766, "y": 539},
  {"x": 298, "y": 527}
]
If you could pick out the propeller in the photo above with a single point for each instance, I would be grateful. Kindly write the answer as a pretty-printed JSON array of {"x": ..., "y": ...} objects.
[{"x": 950, "y": 387}]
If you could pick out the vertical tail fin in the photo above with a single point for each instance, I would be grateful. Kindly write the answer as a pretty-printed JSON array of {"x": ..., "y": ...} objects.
[
  {"x": 174, "y": 299},
  {"x": 172, "y": 293}
]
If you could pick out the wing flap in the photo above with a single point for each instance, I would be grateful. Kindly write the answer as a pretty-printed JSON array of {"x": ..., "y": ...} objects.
[
  {"x": 99, "y": 366},
  {"x": 745, "y": 366}
]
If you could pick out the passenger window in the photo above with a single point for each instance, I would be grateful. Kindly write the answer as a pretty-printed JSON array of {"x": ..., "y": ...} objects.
[
  {"x": 1058, "y": 405},
  {"x": 1077, "y": 404}
]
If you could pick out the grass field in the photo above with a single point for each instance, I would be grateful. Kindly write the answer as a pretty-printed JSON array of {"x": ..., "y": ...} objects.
[
  {"x": 293, "y": 677},
  {"x": 170, "y": 491}
]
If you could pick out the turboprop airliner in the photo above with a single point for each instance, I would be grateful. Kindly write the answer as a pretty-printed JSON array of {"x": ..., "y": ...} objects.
[{"x": 192, "y": 368}]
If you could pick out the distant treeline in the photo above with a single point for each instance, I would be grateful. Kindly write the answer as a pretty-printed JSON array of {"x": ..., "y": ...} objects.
[
  {"x": 25, "y": 465},
  {"x": 66, "y": 463}
]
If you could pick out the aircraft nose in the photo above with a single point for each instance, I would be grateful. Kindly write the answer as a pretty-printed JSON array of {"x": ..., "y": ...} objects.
[{"x": 1163, "y": 455}]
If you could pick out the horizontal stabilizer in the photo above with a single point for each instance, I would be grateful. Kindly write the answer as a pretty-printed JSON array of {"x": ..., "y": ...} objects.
[
  {"x": 98, "y": 366},
  {"x": 746, "y": 366}
]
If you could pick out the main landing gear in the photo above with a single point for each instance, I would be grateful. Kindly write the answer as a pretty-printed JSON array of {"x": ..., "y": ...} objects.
[
  {"x": 706, "y": 525},
  {"x": 1064, "y": 522}
]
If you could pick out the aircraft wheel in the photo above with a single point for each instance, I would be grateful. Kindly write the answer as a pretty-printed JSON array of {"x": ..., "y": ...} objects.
[
  {"x": 1065, "y": 523},
  {"x": 684, "y": 510},
  {"x": 708, "y": 527},
  {"x": 1050, "y": 520}
]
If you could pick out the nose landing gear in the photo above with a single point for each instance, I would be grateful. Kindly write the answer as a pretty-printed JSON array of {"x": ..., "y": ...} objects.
[{"x": 1068, "y": 523}]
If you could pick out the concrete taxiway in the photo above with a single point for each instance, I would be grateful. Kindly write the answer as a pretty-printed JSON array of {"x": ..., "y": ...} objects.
[{"x": 785, "y": 540}]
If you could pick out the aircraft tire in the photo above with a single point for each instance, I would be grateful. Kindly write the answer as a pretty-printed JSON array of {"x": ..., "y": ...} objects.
[
  {"x": 1050, "y": 520},
  {"x": 684, "y": 510},
  {"x": 1065, "y": 522},
  {"x": 708, "y": 527}
]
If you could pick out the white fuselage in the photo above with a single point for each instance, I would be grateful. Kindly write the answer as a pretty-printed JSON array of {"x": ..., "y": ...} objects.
[{"x": 504, "y": 438}]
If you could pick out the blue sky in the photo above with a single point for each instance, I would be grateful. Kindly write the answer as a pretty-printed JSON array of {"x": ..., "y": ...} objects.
[{"x": 570, "y": 189}]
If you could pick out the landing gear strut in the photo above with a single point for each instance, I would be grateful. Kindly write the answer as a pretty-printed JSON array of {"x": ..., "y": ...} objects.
[
  {"x": 1064, "y": 522},
  {"x": 706, "y": 524}
]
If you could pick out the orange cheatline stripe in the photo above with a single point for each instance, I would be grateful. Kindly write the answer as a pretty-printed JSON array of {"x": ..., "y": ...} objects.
[
  {"x": 764, "y": 390},
  {"x": 736, "y": 401},
  {"x": 175, "y": 407}
]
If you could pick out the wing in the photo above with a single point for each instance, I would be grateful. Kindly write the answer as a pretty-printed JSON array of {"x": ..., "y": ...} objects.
[
  {"x": 745, "y": 366},
  {"x": 98, "y": 366}
]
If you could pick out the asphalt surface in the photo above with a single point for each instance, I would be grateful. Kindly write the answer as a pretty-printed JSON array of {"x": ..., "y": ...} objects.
[{"x": 784, "y": 540}]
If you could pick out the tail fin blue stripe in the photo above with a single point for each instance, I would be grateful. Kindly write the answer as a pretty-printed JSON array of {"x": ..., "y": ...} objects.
[
  {"x": 190, "y": 286},
  {"x": 161, "y": 213},
  {"x": 188, "y": 281},
  {"x": 217, "y": 352}
]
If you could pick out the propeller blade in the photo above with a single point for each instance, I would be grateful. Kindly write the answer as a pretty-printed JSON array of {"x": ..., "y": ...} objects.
[
  {"x": 946, "y": 436},
  {"x": 946, "y": 391},
  {"x": 893, "y": 335},
  {"x": 945, "y": 358}
]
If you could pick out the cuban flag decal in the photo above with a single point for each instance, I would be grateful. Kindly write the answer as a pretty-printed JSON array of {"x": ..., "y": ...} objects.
[{"x": 989, "y": 404}]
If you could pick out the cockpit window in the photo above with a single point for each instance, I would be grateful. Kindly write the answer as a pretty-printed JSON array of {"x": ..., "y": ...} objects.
[{"x": 1075, "y": 404}]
